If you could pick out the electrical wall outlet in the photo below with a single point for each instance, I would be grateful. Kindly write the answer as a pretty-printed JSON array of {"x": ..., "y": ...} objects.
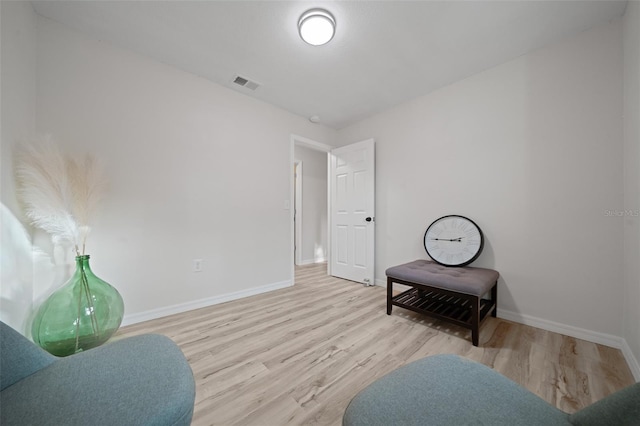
[{"x": 197, "y": 265}]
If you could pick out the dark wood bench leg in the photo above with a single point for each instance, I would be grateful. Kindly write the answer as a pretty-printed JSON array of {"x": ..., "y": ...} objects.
[
  {"x": 494, "y": 298},
  {"x": 389, "y": 294},
  {"x": 475, "y": 321}
]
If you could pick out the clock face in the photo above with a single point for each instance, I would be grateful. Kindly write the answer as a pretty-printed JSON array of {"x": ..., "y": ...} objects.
[{"x": 453, "y": 241}]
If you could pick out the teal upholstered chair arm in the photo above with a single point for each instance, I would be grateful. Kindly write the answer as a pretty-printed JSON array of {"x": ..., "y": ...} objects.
[
  {"x": 445, "y": 390},
  {"x": 141, "y": 380},
  {"x": 621, "y": 409},
  {"x": 19, "y": 357}
]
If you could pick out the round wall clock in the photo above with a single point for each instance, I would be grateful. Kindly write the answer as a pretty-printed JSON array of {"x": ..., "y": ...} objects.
[{"x": 453, "y": 240}]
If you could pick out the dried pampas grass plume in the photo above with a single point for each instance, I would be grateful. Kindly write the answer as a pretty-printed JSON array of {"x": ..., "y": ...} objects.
[
  {"x": 88, "y": 186},
  {"x": 59, "y": 194}
]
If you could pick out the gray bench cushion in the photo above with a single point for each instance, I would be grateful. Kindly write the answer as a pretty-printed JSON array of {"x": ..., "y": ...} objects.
[{"x": 467, "y": 280}]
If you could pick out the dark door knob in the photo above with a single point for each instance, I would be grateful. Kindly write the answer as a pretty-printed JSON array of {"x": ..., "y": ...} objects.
[{"x": 368, "y": 219}]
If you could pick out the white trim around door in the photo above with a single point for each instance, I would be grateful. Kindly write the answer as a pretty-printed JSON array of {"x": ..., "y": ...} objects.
[{"x": 296, "y": 140}]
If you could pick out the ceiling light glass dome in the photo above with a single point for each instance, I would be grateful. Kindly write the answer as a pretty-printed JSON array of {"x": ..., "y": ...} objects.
[{"x": 317, "y": 26}]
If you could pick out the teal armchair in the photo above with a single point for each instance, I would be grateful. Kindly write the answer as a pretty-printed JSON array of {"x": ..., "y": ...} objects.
[
  {"x": 448, "y": 390},
  {"x": 142, "y": 380}
]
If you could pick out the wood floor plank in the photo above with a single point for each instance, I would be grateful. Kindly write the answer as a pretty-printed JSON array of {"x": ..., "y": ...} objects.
[{"x": 298, "y": 355}]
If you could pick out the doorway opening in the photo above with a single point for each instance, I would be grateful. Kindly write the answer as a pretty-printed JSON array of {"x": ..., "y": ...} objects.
[{"x": 310, "y": 208}]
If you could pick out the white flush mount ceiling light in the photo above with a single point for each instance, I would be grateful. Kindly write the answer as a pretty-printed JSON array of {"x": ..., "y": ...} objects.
[{"x": 317, "y": 26}]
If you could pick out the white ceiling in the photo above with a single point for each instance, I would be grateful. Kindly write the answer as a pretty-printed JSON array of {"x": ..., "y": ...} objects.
[{"x": 383, "y": 53}]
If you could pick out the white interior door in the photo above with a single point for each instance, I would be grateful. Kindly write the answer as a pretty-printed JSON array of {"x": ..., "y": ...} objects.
[{"x": 352, "y": 180}]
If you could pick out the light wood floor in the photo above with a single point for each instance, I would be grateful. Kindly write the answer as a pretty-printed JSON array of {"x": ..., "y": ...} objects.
[{"x": 298, "y": 355}]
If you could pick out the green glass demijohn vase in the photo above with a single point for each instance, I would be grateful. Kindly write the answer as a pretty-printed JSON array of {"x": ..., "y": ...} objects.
[{"x": 84, "y": 313}]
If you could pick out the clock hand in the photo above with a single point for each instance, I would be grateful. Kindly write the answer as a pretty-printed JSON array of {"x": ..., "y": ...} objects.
[{"x": 459, "y": 239}]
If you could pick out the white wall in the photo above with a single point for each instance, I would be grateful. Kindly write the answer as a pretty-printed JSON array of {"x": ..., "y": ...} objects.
[
  {"x": 632, "y": 181},
  {"x": 539, "y": 140},
  {"x": 18, "y": 99},
  {"x": 531, "y": 150},
  {"x": 314, "y": 204},
  {"x": 196, "y": 171}
]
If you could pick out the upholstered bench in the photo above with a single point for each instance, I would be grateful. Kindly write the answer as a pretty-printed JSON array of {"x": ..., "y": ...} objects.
[{"x": 453, "y": 294}]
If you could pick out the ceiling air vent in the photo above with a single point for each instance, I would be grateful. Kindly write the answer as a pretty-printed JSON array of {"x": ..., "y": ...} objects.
[{"x": 246, "y": 83}]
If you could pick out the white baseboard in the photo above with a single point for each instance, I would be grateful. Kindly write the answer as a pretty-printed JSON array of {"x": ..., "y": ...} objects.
[
  {"x": 579, "y": 333},
  {"x": 312, "y": 261},
  {"x": 631, "y": 360},
  {"x": 201, "y": 303},
  {"x": 567, "y": 330}
]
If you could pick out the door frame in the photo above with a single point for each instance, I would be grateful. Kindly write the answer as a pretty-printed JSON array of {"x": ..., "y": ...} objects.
[
  {"x": 296, "y": 140},
  {"x": 297, "y": 211}
]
